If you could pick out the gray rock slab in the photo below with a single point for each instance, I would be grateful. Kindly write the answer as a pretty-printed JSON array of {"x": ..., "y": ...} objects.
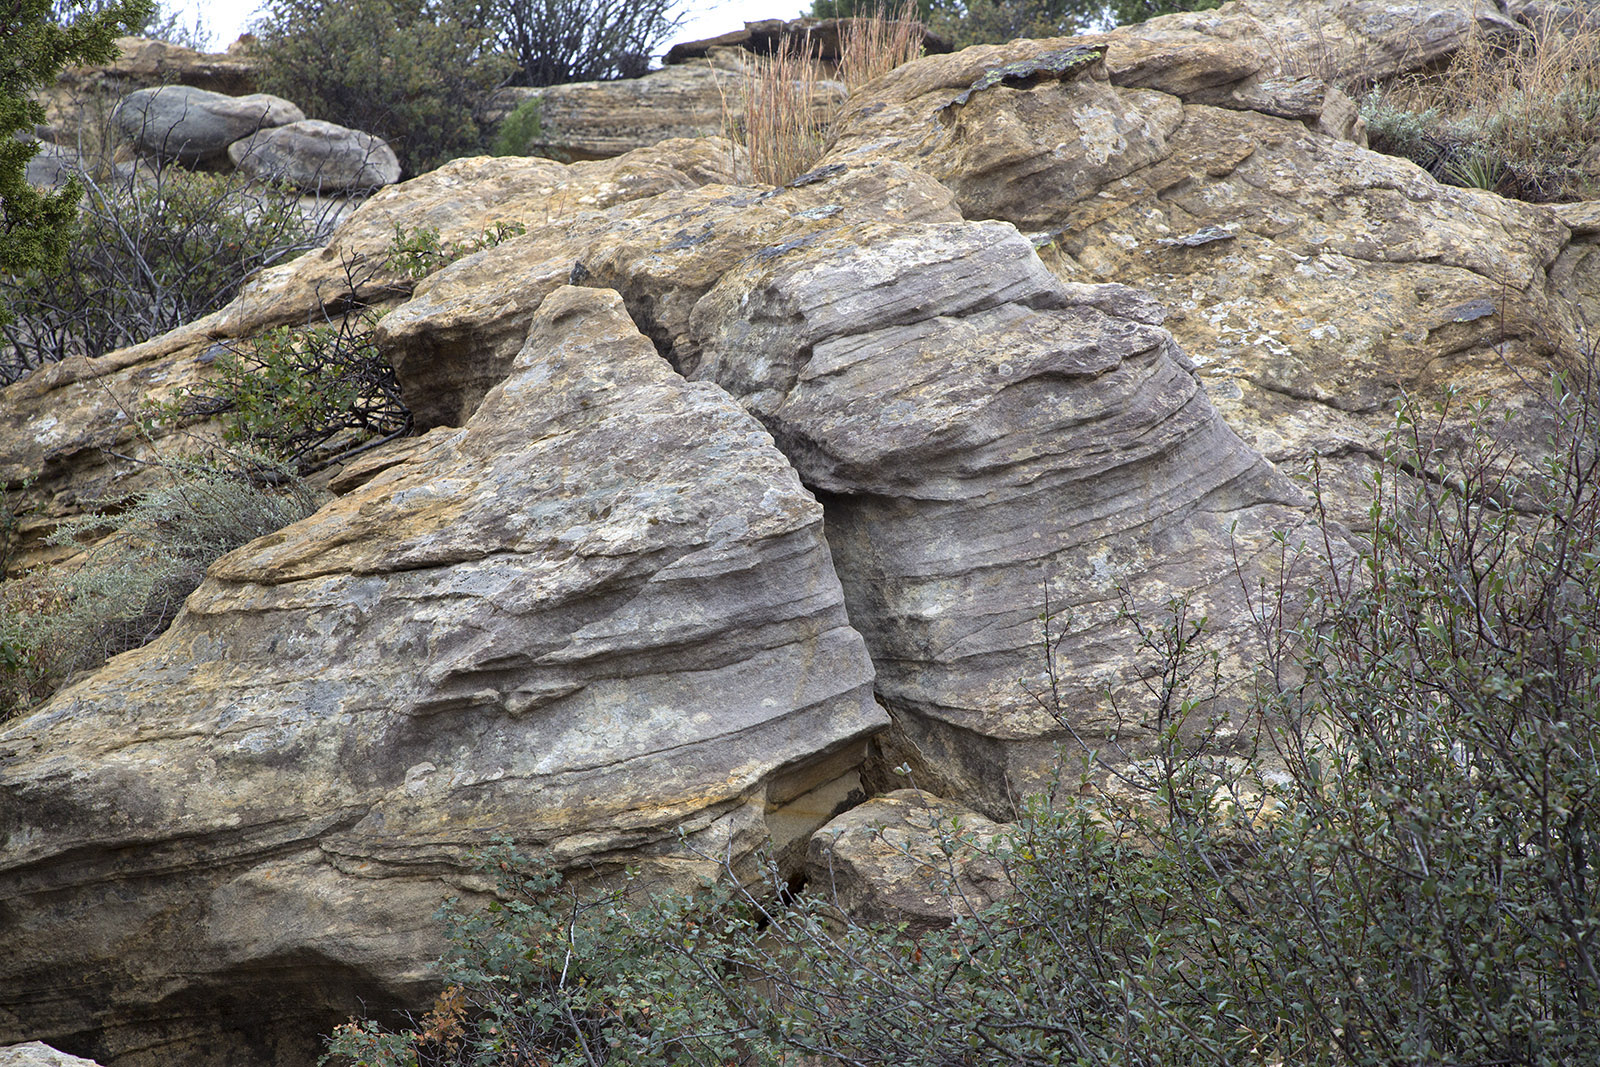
[{"x": 599, "y": 614}]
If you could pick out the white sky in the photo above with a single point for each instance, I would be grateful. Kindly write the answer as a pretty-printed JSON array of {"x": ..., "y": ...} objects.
[{"x": 226, "y": 19}]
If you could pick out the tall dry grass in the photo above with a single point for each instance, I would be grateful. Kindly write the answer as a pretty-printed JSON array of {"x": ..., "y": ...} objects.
[
  {"x": 871, "y": 47},
  {"x": 782, "y": 124},
  {"x": 788, "y": 103},
  {"x": 1520, "y": 117}
]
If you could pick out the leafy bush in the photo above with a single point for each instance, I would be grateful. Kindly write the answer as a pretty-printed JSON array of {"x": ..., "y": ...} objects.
[
  {"x": 409, "y": 71},
  {"x": 150, "y": 256},
  {"x": 420, "y": 252},
  {"x": 557, "y": 41},
  {"x": 1405, "y": 873},
  {"x": 133, "y": 583},
  {"x": 551, "y": 975},
  {"x": 309, "y": 398}
]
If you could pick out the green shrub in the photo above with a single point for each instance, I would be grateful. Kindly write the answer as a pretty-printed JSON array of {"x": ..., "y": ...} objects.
[
  {"x": 308, "y": 398},
  {"x": 1404, "y": 873},
  {"x": 520, "y": 130},
  {"x": 133, "y": 583},
  {"x": 421, "y": 251},
  {"x": 149, "y": 256},
  {"x": 551, "y": 975},
  {"x": 558, "y": 41},
  {"x": 409, "y": 71}
]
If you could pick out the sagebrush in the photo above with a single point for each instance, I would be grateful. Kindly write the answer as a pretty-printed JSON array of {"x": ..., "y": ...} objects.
[{"x": 149, "y": 553}]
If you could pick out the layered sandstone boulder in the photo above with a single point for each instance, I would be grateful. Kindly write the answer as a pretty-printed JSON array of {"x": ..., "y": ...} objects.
[{"x": 597, "y": 617}]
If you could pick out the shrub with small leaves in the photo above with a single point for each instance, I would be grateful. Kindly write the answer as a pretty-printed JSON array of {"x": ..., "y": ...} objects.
[
  {"x": 134, "y": 581},
  {"x": 308, "y": 397},
  {"x": 520, "y": 130},
  {"x": 419, "y": 252}
]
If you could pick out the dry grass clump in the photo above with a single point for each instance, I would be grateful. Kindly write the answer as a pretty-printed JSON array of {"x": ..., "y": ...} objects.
[
  {"x": 1521, "y": 118},
  {"x": 132, "y": 584},
  {"x": 781, "y": 123},
  {"x": 789, "y": 103},
  {"x": 871, "y": 47}
]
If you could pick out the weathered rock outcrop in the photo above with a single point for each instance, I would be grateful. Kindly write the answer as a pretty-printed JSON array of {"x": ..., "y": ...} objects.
[
  {"x": 593, "y": 603},
  {"x": 908, "y": 857},
  {"x": 38, "y": 1054},
  {"x": 600, "y": 613},
  {"x": 1312, "y": 280},
  {"x": 68, "y": 435},
  {"x": 993, "y": 445}
]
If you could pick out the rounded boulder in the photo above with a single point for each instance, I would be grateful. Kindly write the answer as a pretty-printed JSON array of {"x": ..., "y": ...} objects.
[
  {"x": 195, "y": 126},
  {"x": 317, "y": 156}
]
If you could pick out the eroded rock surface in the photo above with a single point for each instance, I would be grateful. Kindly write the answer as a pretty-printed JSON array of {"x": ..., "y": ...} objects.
[
  {"x": 908, "y": 857},
  {"x": 318, "y": 157},
  {"x": 993, "y": 445},
  {"x": 1313, "y": 281},
  {"x": 598, "y": 613},
  {"x": 69, "y": 433}
]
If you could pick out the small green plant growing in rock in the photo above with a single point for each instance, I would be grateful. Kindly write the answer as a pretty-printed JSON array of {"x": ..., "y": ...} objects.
[
  {"x": 308, "y": 397},
  {"x": 520, "y": 130},
  {"x": 419, "y": 252}
]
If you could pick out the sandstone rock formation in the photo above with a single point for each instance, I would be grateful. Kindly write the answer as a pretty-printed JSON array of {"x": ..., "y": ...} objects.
[
  {"x": 1313, "y": 281},
  {"x": 1037, "y": 344},
  {"x": 68, "y": 435},
  {"x": 38, "y": 1054},
  {"x": 194, "y": 126},
  {"x": 599, "y": 614},
  {"x": 317, "y": 156},
  {"x": 596, "y": 120}
]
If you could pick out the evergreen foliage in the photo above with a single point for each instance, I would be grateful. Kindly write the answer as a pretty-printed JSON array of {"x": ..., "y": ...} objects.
[{"x": 35, "y": 45}]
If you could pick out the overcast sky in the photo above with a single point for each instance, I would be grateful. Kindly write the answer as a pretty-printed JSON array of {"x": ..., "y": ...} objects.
[{"x": 226, "y": 19}]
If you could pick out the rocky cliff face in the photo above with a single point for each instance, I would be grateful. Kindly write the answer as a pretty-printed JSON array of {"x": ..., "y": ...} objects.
[{"x": 731, "y": 497}]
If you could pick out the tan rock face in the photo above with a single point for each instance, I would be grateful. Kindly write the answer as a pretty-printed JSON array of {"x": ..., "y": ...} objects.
[
  {"x": 70, "y": 430},
  {"x": 992, "y": 445},
  {"x": 1312, "y": 281},
  {"x": 597, "y": 120},
  {"x": 453, "y": 340},
  {"x": 593, "y": 603},
  {"x": 599, "y": 612}
]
